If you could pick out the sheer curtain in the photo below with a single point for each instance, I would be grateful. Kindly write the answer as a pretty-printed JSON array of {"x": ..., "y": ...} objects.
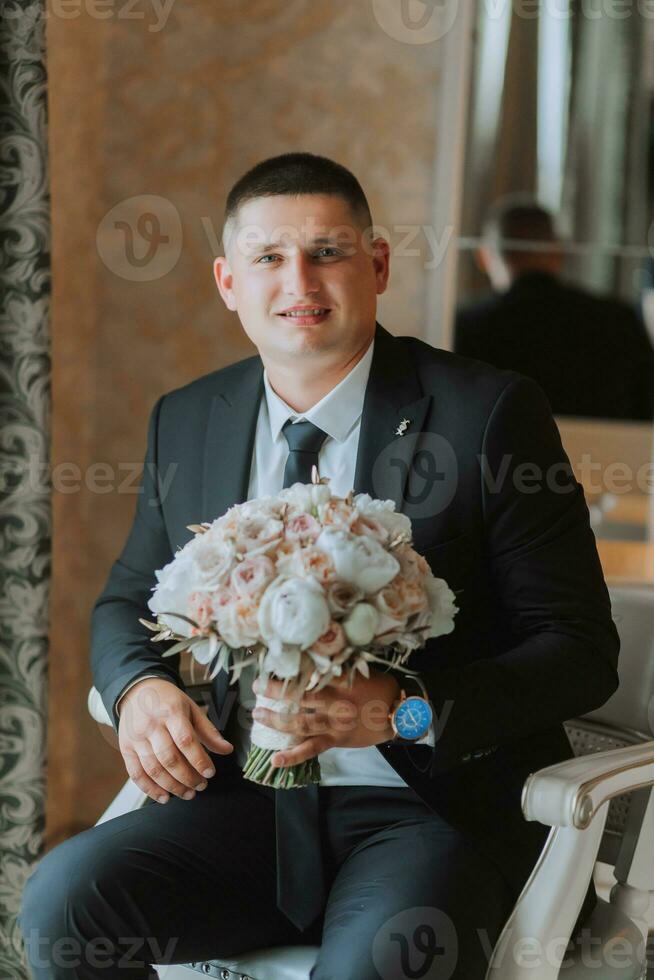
[
  {"x": 562, "y": 106},
  {"x": 25, "y": 515}
]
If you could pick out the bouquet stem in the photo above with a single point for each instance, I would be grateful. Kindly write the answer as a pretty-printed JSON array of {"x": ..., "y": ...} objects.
[{"x": 258, "y": 769}]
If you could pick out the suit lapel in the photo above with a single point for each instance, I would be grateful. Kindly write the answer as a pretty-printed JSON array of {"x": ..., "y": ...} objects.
[
  {"x": 384, "y": 458},
  {"x": 230, "y": 440}
]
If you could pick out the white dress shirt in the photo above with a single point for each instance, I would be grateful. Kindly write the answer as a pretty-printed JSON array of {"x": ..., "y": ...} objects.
[{"x": 339, "y": 415}]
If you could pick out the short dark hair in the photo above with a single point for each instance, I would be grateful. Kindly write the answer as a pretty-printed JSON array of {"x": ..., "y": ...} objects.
[
  {"x": 516, "y": 218},
  {"x": 298, "y": 173}
]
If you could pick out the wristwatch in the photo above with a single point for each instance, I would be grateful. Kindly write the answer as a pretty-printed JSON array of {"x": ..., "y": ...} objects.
[{"x": 411, "y": 717}]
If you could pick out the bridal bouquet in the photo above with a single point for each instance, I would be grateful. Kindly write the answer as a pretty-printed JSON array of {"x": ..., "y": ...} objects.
[{"x": 307, "y": 586}]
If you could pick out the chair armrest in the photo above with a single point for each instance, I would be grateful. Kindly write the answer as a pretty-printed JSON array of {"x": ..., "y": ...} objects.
[
  {"x": 97, "y": 709},
  {"x": 571, "y": 797},
  {"x": 129, "y": 798},
  {"x": 570, "y": 793}
]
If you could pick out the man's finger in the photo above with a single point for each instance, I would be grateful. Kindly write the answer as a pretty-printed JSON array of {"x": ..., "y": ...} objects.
[
  {"x": 186, "y": 738},
  {"x": 302, "y": 723},
  {"x": 138, "y": 775},
  {"x": 308, "y": 749},
  {"x": 209, "y": 735}
]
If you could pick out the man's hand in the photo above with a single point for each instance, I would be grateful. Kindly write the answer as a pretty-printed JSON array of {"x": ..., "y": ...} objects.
[
  {"x": 338, "y": 716},
  {"x": 159, "y": 734}
]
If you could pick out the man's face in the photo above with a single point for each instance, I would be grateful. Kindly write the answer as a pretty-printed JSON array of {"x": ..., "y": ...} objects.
[{"x": 303, "y": 276}]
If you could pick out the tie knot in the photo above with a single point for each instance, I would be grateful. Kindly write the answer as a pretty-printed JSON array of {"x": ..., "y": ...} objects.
[{"x": 303, "y": 437}]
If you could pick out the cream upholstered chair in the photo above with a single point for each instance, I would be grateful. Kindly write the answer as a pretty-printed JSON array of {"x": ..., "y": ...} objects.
[{"x": 597, "y": 804}]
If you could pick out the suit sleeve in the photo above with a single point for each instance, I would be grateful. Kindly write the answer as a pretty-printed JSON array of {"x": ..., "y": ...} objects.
[
  {"x": 121, "y": 648},
  {"x": 561, "y": 656}
]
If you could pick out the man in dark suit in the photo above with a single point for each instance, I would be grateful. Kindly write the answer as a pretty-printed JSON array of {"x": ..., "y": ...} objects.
[
  {"x": 590, "y": 354},
  {"x": 400, "y": 837}
]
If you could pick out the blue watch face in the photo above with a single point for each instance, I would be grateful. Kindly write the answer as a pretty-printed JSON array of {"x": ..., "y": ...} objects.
[{"x": 413, "y": 718}]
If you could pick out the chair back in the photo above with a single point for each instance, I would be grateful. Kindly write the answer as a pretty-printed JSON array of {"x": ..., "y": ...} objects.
[{"x": 627, "y": 718}]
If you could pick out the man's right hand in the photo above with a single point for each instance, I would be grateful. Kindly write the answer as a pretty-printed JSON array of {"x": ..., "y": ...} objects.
[{"x": 160, "y": 731}]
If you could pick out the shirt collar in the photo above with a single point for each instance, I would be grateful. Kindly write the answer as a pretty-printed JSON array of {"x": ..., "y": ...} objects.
[{"x": 336, "y": 413}]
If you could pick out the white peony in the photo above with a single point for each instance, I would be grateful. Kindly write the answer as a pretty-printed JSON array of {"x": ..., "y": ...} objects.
[
  {"x": 384, "y": 512},
  {"x": 358, "y": 559},
  {"x": 441, "y": 606},
  {"x": 293, "y": 611},
  {"x": 306, "y": 496},
  {"x": 360, "y": 625},
  {"x": 282, "y": 659}
]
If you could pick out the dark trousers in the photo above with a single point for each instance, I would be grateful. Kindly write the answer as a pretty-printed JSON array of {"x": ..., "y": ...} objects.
[{"x": 195, "y": 880}]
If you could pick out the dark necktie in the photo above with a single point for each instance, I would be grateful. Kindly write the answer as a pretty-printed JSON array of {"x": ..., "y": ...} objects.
[{"x": 300, "y": 877}]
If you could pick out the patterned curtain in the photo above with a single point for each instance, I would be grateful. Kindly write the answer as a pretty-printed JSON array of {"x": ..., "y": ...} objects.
[{"x": 25, "y": 506}]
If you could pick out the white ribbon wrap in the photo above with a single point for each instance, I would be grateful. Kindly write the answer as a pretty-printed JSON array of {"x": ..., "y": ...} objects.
[{"x": 270, "y": 738}]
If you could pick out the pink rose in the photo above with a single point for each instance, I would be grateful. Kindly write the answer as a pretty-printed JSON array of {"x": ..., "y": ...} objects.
[
  {"x": 200, "y": 608},
  {"x": 238, "y": 622},
  {"x": 331, "y": 642},
  {"x": 310, "y": 562},
  {"x": 413, "y": 594},
  {"x": 390, "y": 604},
  {"x": 252, "y": 575},
  {"x": 302, "y": 527},
  {"x": 342, "y": 596},
  {"x": 412, "y": 565},
  {"x": 368, "y": 525}
]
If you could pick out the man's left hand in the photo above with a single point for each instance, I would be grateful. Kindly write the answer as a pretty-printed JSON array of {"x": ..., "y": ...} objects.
[{"x": 338, "y": 716}]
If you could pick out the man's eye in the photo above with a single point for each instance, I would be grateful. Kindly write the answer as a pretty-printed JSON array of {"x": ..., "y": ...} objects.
[
  {"x": 269, "y": 255},
  {"x": 327, "y": 251}
]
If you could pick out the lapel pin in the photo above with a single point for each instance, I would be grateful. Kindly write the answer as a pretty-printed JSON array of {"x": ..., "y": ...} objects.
[{"x": 402, "y": 427}]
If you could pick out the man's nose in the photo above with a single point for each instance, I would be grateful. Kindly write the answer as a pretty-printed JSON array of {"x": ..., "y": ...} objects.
[{"x": 301, "y": 278}]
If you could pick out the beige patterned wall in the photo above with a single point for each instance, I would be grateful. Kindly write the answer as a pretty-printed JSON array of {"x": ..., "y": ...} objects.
[{"x": 144, "y": 109}]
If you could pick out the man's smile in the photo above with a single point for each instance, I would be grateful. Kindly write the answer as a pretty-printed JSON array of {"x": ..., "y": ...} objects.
[{"x": 306, "y": 315}]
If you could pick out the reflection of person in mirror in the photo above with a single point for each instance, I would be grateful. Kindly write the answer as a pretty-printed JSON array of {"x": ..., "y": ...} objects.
[
  {"x": 412, "y": 831},
  {"x": 590, "y": 354}
]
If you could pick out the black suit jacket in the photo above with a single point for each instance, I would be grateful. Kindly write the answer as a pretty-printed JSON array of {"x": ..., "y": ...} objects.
[
  {"x": 590, "y": 354},
  {"x": 534, "y": 643}
]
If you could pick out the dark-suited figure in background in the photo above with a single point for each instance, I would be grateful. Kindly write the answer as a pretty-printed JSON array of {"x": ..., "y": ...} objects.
[
  {"x": 591, "y": 355},
  {"x": 413, "y": 836}
]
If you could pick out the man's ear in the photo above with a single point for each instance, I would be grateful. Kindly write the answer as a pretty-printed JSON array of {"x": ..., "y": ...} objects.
[
  {"x": 224, "y": 279},
  {"x": 381, "y": 259}
]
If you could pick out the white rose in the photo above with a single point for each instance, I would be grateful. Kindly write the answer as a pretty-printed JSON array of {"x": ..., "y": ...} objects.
[
  {"x": 213, "y": 560},
  {"x": 361, "y": 624},
  {"x": 238, "y": 623},
  {"x": 293, "y": 611},
  {"x": 441, "y": 606},
  {"x": 258, "y": 533},
  {"x": 176, "y": 583},
  {"x": 384, "y": 512},
  {"x": 359, "y": 559}
]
